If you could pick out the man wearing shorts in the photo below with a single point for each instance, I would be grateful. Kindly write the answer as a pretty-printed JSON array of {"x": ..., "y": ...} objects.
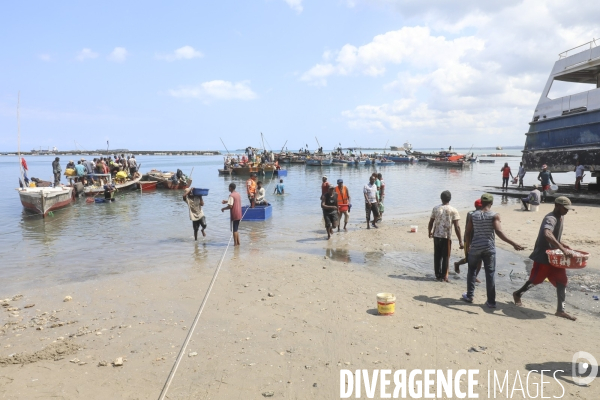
[
  {"x": 371, "y": 202},
  {"x": 549, "y": 238},
  {"x": 234, "y": 205},
  {"x": 545, "y": 177},
  {"x": 343, "y": 202},
  {"x": 329, "y": 204},
  {"x": 195, "y": 204}
]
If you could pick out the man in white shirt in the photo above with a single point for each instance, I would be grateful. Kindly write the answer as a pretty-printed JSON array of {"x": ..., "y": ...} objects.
[
  {"x": 260, "y": 195},
  {"x": 521, "y": 175},
  {"x": 371, "y": 201},
  {"x": 578, "y": 175},
  {"x": 443, "y": 218}
]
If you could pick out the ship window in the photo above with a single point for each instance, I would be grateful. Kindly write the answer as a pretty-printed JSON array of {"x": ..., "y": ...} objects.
[{"x": 561, "y": 89}]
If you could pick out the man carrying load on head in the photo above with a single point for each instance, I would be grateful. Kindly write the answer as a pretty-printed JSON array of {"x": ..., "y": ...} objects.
[
  {"x": 195, "y": 204},
  {"x": 549, "y": 237},
  {"x": 343, "y": 202}
]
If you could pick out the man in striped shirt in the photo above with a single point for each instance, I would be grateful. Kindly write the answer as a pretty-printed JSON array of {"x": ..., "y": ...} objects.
[{"x": 485, "y": 225}]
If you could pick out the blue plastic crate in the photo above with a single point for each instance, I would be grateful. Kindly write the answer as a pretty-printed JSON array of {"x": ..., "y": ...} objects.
[
  {"x": 282, "y": 172},
  {"x": 200, "y": 192},
  {"x": 258, "y": 213}
]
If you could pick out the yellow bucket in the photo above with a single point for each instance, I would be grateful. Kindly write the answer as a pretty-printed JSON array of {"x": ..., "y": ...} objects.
[{"x": 386, "y": 303}]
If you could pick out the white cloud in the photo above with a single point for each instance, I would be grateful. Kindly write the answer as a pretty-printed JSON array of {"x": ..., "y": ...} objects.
[
  {"x": 119, "y": 54},
  {"x": 218, "y": 89},
  {"x": 295, "y": 5},
  {"x": 86, "y": 54},
  {"x": 479, "y": 73},
  {"x": 182, "y": 53},
  {"x": 45, "y": 57}
]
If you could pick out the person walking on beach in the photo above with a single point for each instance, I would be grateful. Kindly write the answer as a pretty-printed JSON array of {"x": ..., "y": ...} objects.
[
  {"x": 506, "y": 173},
  {"x": 234, "y": 205},
  {"x": 329, "y": 205},
  {"x": 324, "y": 187},
  {"x": 484, "y": 226},
  {"x": 443, "y": 217},
  {"x": 371, "y": 202},
  {"x": 549, "y": 238},
  {"x": 279, "y": 188},
  {"x": 578, "y": 175},
  {"x": 343, "y": 203},
  {"x": 195, "y": 204},
  {"x": 545, "y": 177},
  {"x": 56, "y": 170},
  {"x": 467, "y": 242},
  {"x": 521, "y": 175},
  {"x": 381, "y": 195},
  {"x": 533, "y": 199},
  {"x": 251, "y": 189}
]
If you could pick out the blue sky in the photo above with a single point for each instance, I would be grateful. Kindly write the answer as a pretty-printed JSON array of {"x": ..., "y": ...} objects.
[{"x": 151, "y": 75}]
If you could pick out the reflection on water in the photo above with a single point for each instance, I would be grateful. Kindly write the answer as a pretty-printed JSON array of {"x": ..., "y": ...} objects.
[{"x": 141, "y": 231}]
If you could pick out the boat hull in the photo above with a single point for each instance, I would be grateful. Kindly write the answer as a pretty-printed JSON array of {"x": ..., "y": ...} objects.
[
  {"x": 246, "y": 171},
  {"x": 53, "y": 199},
  {"x": 450, "y": 164},
  {"x": 95, "y": 190},
  {"x": 169, "y": 184},
  {"x": 147, "y": 185}
]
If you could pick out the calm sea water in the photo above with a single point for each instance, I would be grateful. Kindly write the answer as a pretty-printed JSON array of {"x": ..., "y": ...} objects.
[{"x": 143, "y": 231}]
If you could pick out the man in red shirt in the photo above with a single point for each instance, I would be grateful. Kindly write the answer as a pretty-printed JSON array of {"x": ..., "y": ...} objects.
[
  {"x": 505, "y": 174},
  {"x": 234, "y": 205}
]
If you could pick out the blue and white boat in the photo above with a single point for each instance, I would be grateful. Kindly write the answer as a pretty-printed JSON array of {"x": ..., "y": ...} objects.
[
  {"x": 319, "y": 161},
  {"x": 566, "y": 129},
  {"x": 403, "y": 159}
]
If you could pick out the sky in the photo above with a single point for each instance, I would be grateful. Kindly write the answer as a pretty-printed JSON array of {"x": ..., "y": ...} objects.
[{"x": 149, "y": 75}]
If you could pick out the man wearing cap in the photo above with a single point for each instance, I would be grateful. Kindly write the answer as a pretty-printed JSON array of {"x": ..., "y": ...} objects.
[
  {"x": 343, "y": 202},
  {"x": 549, "y": 237},
  {"x": 484, "y": 225},
  {"x": 329, "y": 204},
  {"x": 56, "y": 170},
  {"x": 324, "y": 187},
  {"x": 545, "y": 177},
  {"x": 533, "y": 198},
  {"x": 443, "y": 217},
  {"x": 251, "y": 189},
  {"x": 467, "y": 241}
]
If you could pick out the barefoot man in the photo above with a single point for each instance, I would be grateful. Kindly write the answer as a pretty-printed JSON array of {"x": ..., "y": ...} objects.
[
  {"x": 549, "y": 238},
  {"x": 467, "y": 243},
  {"x": 443, "y": 218},
  {"x": 329, "y": 204},
  {"x": 343, "y": 199},
  {"x": 195, "y": 204},
  {"x": 234, "y": 205}
]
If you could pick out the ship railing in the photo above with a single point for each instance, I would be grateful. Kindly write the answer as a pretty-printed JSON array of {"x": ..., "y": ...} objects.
[{"x": 591, "y": 44}]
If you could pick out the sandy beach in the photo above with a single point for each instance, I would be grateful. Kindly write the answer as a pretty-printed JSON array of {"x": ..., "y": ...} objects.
[{"x": 283, "y": 323}]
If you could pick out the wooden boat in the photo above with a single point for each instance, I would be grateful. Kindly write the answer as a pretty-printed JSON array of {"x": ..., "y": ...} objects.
[
  {"x": 176, "y": 185},
  {"x": 403, "y": 159},
  {"x": 487, "y": 161},
  {"x": 449, "y": 164},
  {"x": 319, "y": 161},
  {"x": 264, "y": 169},
  {"x": 384, "y": 162},
  {"x": 42, "y": 200},
  {"x": 147, "y": 185},
  {"x": 224, "y": 171},
  {"x": 359, "y": 162},
  {"x": 97, "y": 189},
  {"x": 297, "y": 160}
]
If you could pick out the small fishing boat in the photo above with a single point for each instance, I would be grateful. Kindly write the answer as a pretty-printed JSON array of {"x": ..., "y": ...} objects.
[
  {"x": 487, "y": 161},
  {"x": 298, "y": 160},
  {"x": 383, "y": 162},
  {"x": 359, "y": 162},
  {"x": 98, "y": 188},
  {"x": 177, "y": 185},
  {"x": 224, "y": 171},
  {"x": 450, "y": 164},
  {"x": 246, "y": 170},
  {"x": 42, "y": 200},
  {"x": 258, "y": 213},
  {"x": 403, "y": 159},
  {"x": 147, "y": 185},
  {"x": 319, "y": 161},
  {"x": 165, "y": 179}
]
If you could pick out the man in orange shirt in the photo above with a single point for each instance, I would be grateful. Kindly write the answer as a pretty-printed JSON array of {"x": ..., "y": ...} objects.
[
  {"x": 251, "y": 189},
  {"x": 343, "y": 202}
]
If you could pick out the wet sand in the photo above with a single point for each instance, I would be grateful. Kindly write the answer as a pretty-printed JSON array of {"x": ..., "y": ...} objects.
[{"x": 287, "y": 320}]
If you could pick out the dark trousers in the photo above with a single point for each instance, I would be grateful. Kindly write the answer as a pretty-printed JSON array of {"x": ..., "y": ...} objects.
[
  {"x": 441, "y": 256},
  {"x": 56, "y": 178},
  {"x": 489, "y": 265},
  {"x": 372, "y": 208},
  {"x": 578, "y": 183}
]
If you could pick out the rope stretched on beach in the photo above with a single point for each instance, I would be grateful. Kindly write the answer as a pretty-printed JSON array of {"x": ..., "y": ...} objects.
[{"x": 165, "y": 388}]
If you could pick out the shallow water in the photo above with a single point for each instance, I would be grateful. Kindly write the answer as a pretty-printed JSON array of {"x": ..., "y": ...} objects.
[{"x": 143, "y": 231}]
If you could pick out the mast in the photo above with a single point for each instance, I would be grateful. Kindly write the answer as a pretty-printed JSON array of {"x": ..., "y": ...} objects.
[{"x": 21, "y": 177}]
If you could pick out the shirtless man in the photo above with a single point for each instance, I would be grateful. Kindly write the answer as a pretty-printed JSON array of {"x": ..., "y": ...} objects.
[{"x": 549, "y": 238}]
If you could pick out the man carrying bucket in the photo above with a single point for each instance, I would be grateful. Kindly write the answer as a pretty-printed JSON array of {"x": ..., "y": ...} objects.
[
  {"x": 195, "y": 204},
  {"x": 343, "y": 202},
  {"x": 549, "y": 238}
]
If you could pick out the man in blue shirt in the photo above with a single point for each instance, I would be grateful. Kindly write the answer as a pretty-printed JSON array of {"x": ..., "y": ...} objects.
[
  {"x": 279, "y": 188},
  {"x": 545, "y": 177}
]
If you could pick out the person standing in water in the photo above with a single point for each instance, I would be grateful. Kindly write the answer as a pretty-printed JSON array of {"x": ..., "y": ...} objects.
[
  {"x": 195, "y": 204},
  {"x": 549, "y": 238},
  {"x": 279, "y": 188},
  {"x": 329, "y": 205},
  {"x": 234, "y": 205}
]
